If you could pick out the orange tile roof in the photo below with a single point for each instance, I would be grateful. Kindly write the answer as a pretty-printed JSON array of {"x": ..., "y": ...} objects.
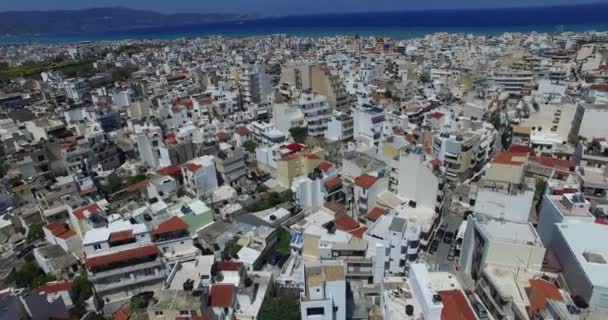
[
  {"x": 79, "y": 213},
  {"x": 60, "y": 230},
  {"x": 173, "y": 224},
  {"x": 106, "y": 259},
  {"x": 365, "y": 181},
  {"x": 346, "y": 223},
  {"x": 519, "y": 148},
  {"x": 553, "y": 162},
  {"x": 358, "y": 233},
  {"x": 332, "y": 182},
  {"x": 325, "y": 165},
  {"x": 170, "y": 171},
  {"x": 541, "y": 291},
  {"x": 509, "y": 158},
  {"x": 54, "y": 286},
  {"x": 221, "y": 295},
  {"x": 121, "y": 235},
  {"x": 376, "y": 213},
  {"x": 455, "y": 306},
  {"x": 123, "y": 314},
  {"x": 335, "y": 207}
]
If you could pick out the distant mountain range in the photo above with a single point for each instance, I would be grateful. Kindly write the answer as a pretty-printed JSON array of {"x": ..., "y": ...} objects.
[{"x": 98, "y": 20}]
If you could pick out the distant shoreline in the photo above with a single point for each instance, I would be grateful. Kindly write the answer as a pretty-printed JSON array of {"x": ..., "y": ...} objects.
[{"x": 397, "y": 25}]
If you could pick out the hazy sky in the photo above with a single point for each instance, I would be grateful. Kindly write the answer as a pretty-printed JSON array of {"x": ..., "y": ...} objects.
[{"x": 278, "y": 7}]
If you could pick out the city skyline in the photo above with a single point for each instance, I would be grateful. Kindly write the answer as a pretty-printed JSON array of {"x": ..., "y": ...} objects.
[{"x": 278, "y": 8}]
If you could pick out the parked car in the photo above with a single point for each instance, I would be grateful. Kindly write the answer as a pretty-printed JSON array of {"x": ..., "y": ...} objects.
[
  {"x": 480, "y": 310},
  {"x": 434, "y": 246},
  {"x": 448, "y": 237}
]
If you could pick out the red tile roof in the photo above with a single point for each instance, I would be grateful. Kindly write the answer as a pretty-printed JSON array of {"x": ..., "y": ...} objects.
[
  {"x": 436, "y": 162},
  {"x": 79, "y": 213},
  {"x": 222, "y": 136},
  {"x": 228, "y": 265},
  {"x": 173, "y": 224},
  {"x": 553, "y": 162},
  {"x": 170, "y": 171},
  {"x": 295, "y": 147},
  {"x": 365, "y": 181},
  {"x": 243, "y": 131},
  {"x": 106, "y": 259},
  {"x": 192, "y": 167},
  {"x": 600, "y": 86},
  {"x": 437, "y": 115},
  {"x": 541, "y": 291},
  {"x": 509, "y": 158},
  {"x": 60, "y": 230},
  {"x": 346, "y": 223},
  {"x": 376, "y": 213},
  {"x": 221, "y": 295},
  {"x": 121, "y": 235},
  {"x": 455, "y": 306},
  {"x": 332, "y": 182},
  {"x": 518, "y": 148},
  {"x": 325, "y": 165},
  {"x": 54, "y": 286},
  {"x": 335, "y": 207},
  {"x": 138, "y": 186},
  {"x": 358, "y": 233}
]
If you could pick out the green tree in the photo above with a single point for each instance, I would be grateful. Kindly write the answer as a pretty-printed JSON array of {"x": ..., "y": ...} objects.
[
  {"x": 280, "y": 307},
  {"x": 29, "y": 276},
  {"x": 3, "y": 167},
  {"x": 82, "y": 288},
  {"x": 540, "y": 188},
  {"x": 250, "y": 145},
  {"x": 299, "y": 134},
  {"x": 35, "y": 233}
]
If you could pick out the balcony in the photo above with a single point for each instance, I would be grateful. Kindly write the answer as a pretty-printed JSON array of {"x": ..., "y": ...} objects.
[
  {"x": 159, "y": 276},
  {"x": 125, "y": 270}
]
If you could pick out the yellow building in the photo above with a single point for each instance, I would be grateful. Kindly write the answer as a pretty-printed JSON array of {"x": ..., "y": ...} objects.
[{"x": 300, "y": 164}]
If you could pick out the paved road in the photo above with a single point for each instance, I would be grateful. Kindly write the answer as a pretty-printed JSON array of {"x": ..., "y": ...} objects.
[{"x": 438, "y": 261}]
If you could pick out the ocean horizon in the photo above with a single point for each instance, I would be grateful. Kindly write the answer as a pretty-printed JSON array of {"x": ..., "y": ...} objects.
[{"x": 396, "y": 25}]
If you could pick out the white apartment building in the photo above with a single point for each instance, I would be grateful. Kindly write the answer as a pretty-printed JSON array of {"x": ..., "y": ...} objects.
[
  {"x": 286, "y": 116},
  {"x": 393, "y": 243},
  {"x": 567, "y": 208},
  {"x": 581, "y": 251},
  {"x": 324, "y": 296},
  {"x": 255, "y": 85},
  {"x": 149, "y": 139},
  {"x": 122, "y": 261},
  {"x": 499, "y": 242},
  {"x": 200, "y": 177},
  {"x": 512, "y": 81},
  {"x": 339, "y": 127},
  {"x": 266, "y": 133},
  {"x": 413, "y": 297},
  {"x": 308, "y": 192},
  {"x": 370, "y": 125},
  {"x": 316, "y": 113},
  {"x": 589, "y": 121}
]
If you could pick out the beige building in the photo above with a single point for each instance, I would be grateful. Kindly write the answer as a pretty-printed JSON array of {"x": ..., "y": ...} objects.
[{"x": 319, "y": 80}]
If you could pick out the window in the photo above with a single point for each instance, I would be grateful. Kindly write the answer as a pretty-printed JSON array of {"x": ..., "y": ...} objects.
[
  {"x": 315, "y": 311},
  {"x": 158, "y": 313},
  {"x": 97, "y": 247}
]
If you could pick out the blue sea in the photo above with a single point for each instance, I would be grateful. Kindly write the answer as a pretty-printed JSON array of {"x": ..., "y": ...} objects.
[{"x": 397, "y": 25}]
